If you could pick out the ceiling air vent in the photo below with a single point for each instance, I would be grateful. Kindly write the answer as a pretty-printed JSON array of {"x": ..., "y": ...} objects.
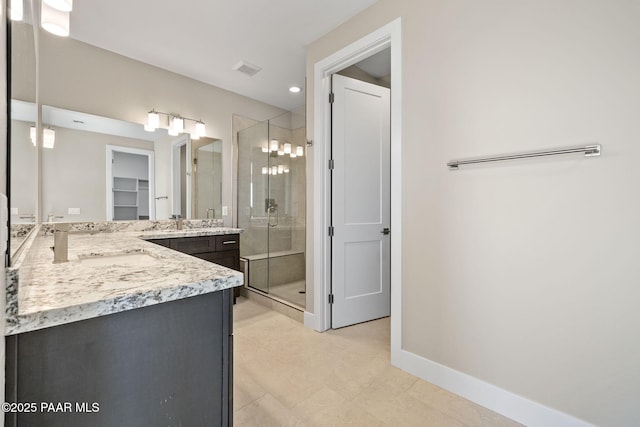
[{"x": 246, "y": 68}]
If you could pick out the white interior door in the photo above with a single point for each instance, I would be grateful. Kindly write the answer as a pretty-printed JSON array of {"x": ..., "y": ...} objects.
[{"x": 360, "y": 206}]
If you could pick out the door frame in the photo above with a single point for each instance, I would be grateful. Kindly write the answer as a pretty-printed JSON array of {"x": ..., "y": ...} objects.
[
  {"x": 387, "y": 36},
  {"x": 150, "y": 154},
  {"x": 176, "y": 144}
]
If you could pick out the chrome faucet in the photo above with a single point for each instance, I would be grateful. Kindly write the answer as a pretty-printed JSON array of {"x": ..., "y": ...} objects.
[
  {"x": 179, "y": 221},
  {"x": 60, "y": 243}
]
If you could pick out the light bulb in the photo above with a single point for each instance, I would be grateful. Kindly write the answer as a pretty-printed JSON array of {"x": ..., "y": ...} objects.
[
  {"x": 280, "y": 169},
  {"x": 287, "y": 148},
  {"x": 54, "y": 21},
  {"x": 286, "y": 170},
  {"x": 153, "y": 121},
  {"x": 299, "y": 151},
  {"x": 200, "y": 129},
  {"x": 274, "y": 145},
  {"x": 16, "y": 10},
  {"x": 280, "y": 152},
  {"x": 264, "y": 170},
  {"x": 274, "y": 170},
  {"x": 49, "y": 138},
  {"x": 293, "y": 155},
  {"x": 178, "y": 124},
  {"x": 61, "y": 5},
  {"x": 265, "y": 147}
]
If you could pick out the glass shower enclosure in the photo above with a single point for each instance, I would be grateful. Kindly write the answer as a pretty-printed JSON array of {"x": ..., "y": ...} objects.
[{"x": 271, "y": 206}]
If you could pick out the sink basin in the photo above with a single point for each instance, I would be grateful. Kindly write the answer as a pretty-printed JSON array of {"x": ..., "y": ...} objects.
[{"x": 135, "y": 259}]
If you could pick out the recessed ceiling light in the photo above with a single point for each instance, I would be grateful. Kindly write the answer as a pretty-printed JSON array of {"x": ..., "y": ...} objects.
[{"x": 294, "y": 89}]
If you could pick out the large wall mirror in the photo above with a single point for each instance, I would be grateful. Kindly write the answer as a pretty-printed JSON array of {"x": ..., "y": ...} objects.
[
  {"x": 69, "y": 166},
  {"x": 96, "y": 168}
]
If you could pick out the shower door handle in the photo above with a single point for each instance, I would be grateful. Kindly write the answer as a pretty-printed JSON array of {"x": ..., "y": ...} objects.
[{"x": 385, "y": 231}]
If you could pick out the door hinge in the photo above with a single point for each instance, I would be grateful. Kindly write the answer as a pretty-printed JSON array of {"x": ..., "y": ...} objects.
[
  {"x": 331, "y": 230},
  {"x": 332, "y": 164},
  {"x": 332, "y": 98},
  {"x": 330, "y": 298}
]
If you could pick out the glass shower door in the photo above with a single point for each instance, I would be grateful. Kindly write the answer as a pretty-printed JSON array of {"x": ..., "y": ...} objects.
[
  {"x": 271, "y": 206},
  {"x": 253, "y": 190}
]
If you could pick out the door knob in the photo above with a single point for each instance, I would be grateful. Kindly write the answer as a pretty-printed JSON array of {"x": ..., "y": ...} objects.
[{"x": 386, "y": 231}]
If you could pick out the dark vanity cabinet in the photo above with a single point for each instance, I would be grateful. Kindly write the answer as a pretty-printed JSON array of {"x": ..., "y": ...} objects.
[
  {"x": 222, "y": 249},
  {"x": 167, "y": 364}
]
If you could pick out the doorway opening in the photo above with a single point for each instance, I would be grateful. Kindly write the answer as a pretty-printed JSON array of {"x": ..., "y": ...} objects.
[
  {"x": 130, "y": 184},
  {"x": 386, "y": 37},
  {"x": 181, "y": 177}
]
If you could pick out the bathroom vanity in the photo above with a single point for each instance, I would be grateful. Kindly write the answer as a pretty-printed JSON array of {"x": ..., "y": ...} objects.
[{"x": 126, "y": 333}]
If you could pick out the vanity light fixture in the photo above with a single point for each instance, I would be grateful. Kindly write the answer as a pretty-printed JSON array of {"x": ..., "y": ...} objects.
[
  {"x": 265, "y": 147},
  {"x": 287, "y": 148},
  {"x": 286, "y": 170},
  {"x": 280, "y": 152},
  {"x": 61, "y": 5},
  {"x": 280, "y": 169},
  {"x": 54, "y": 21},
  {"x": 300, "y": 151},
  {"x": 275, "y": 146},
  {"x": 274, "y": 170},
  {"x": 265, "y": 170},
  {"x": 293, "y": 155},
  {"x": 176, "y": 124},
  {"x": 16, "y": 10}
]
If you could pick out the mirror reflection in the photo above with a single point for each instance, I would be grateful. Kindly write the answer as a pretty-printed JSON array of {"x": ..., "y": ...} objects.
[{"x": 100, "y": 169}]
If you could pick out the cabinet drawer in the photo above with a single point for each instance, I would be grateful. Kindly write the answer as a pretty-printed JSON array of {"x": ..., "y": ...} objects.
[
  {"x": 194, "y": 245},
  {"x": 227, "y": 242}
]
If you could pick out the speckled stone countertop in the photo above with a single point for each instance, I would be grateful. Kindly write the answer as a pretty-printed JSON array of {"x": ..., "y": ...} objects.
[{"x": 41, "y": 294}]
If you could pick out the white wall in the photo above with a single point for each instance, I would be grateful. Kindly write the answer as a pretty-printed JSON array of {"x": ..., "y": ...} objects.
[
  {"x": 24, "y": 172},
  {"x": 524, "y": 275},
  {"x": 129, "y": 165}
]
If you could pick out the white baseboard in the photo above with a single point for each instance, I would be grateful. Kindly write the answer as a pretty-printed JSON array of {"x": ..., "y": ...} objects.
[
  {"x": 504, "y": 402},
  {"x": 310, "y": 320}
]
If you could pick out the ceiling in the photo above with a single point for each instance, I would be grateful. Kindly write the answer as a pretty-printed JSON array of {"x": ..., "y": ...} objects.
[{"x": 205, "y": 39}]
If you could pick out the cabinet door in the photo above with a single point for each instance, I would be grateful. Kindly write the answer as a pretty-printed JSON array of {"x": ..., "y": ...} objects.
[{"x": 166, "y": 364}]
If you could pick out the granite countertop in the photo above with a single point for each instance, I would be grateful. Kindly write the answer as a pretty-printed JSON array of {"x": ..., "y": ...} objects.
[{"x": 41, "y": 294}]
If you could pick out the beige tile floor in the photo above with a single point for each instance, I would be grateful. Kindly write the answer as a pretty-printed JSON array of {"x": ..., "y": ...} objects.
[
  {"x": 288, "y": 375},
  {"x": 290, "y": 292}
]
